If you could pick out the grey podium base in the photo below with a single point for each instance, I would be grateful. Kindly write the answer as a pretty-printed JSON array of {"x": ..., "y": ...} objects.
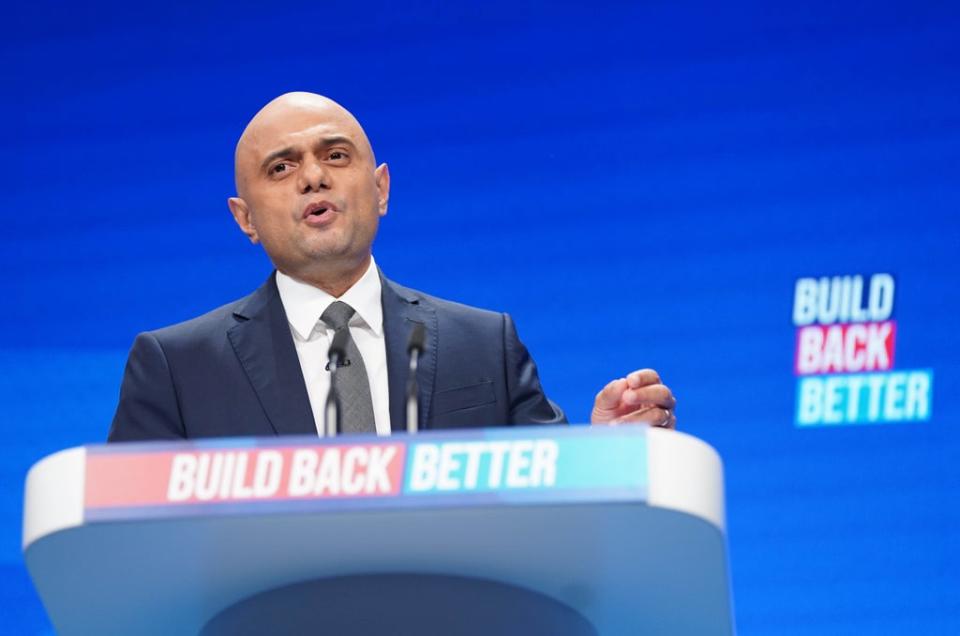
[{"x": 378, "y": 604}]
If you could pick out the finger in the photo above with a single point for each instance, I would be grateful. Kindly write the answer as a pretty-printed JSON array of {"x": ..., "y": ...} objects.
[
  {"x": 656, "y": 395},
  {"x": 609, "y": 397},
  {"x": 643, "y": 377},
  {"x": 647, "y": 415},
  {"x": 654, "y": 416}
]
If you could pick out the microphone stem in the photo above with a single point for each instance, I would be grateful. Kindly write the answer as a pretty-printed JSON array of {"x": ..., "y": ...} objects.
[
  {"x": 332, "y": 408},
  {"x": 413, "y": 410}
]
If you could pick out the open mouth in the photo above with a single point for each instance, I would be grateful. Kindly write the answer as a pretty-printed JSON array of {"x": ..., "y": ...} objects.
[{"x": 318, "y": 209}]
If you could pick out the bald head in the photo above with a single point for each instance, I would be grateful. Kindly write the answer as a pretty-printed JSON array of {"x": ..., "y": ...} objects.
[{"x": 263, "y": 130}]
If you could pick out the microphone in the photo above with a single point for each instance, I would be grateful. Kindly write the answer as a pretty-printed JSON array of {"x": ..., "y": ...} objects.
[
  {"x": 336, "y": 355},
  {"x": 415, "y": 348}
]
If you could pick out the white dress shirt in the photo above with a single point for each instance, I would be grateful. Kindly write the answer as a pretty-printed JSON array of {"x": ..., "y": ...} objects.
[{"x": 304, "y": 305}]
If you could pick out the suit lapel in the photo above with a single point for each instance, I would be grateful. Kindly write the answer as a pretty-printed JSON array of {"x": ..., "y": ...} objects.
[
  {"x": 402, "y": 308},
  {"x": 263, "y": 343}
]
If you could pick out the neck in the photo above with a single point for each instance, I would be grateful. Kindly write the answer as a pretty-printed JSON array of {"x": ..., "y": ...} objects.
[{"x": 333, "y": 280}]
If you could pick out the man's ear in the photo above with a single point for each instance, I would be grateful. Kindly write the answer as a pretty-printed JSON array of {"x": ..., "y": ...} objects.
[
  {"x": 382, "y": 177},
  {"x": 241, "y": 214}
]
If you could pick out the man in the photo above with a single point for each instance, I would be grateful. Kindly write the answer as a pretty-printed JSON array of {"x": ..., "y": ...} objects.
[{"x": 310, "y": 191}]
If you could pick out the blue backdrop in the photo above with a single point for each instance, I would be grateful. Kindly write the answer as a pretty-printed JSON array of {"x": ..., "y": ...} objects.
[{"x": 664, "y": 172}]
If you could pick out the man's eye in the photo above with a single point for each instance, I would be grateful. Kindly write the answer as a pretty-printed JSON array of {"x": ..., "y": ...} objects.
[
  {"x": 337, "y": 155},
  {"x": 280, "y": 168}
]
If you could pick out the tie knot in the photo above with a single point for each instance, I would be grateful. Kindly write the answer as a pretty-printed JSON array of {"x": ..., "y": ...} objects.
[{"x": 337, "y": 315}]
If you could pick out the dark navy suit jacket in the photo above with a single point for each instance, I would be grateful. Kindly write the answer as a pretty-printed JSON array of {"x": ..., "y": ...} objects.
[{"x": 234, "y": 371}]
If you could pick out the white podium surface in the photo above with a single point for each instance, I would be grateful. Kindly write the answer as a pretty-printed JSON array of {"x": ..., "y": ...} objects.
[{"x": 624, "y": 525}]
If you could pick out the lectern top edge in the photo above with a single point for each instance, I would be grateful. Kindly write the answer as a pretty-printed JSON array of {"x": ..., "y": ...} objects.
[{"x": 673, "y": 470}]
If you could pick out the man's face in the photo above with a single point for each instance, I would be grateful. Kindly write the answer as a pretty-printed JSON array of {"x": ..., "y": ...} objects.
[{"x": 308, "y": 189}]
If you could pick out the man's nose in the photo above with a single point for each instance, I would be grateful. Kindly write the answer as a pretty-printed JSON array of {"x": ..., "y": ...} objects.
[{"x": 314, "y": 176}]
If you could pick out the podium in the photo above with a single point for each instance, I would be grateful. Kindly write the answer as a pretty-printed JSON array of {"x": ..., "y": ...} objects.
[{"x": 526, "y": 530}]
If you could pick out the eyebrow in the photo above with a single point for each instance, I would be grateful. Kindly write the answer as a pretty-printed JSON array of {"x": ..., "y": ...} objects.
[
  {"x": 278, "y": 154},
  {"x": 289, "y": 151}
]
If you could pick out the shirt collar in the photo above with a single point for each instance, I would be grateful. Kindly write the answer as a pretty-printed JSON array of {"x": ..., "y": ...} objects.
[{"x": 304, "y": 303}]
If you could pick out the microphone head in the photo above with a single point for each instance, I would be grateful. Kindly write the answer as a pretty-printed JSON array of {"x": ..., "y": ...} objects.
[
  {"x": 338, "y": 347},
  {"x": 418, "y": 338}
]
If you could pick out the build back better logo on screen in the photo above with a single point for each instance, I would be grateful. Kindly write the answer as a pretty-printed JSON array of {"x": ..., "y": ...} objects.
[{"x": 845, "y": 349}]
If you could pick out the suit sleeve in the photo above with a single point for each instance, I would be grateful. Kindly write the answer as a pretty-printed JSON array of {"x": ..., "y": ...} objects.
[
  {"x": 148, "y": 407},
  {"x": 528, "y": 404}
]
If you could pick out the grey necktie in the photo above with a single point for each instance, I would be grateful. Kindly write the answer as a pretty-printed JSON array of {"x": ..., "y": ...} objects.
[{"x": 353, "y": 386}]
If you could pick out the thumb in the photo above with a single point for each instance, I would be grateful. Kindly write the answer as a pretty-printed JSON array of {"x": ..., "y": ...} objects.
[{"x": 608, "y": 399}]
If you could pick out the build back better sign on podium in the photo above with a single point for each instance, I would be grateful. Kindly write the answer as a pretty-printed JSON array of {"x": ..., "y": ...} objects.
[{"x": 528, "y": 530}]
